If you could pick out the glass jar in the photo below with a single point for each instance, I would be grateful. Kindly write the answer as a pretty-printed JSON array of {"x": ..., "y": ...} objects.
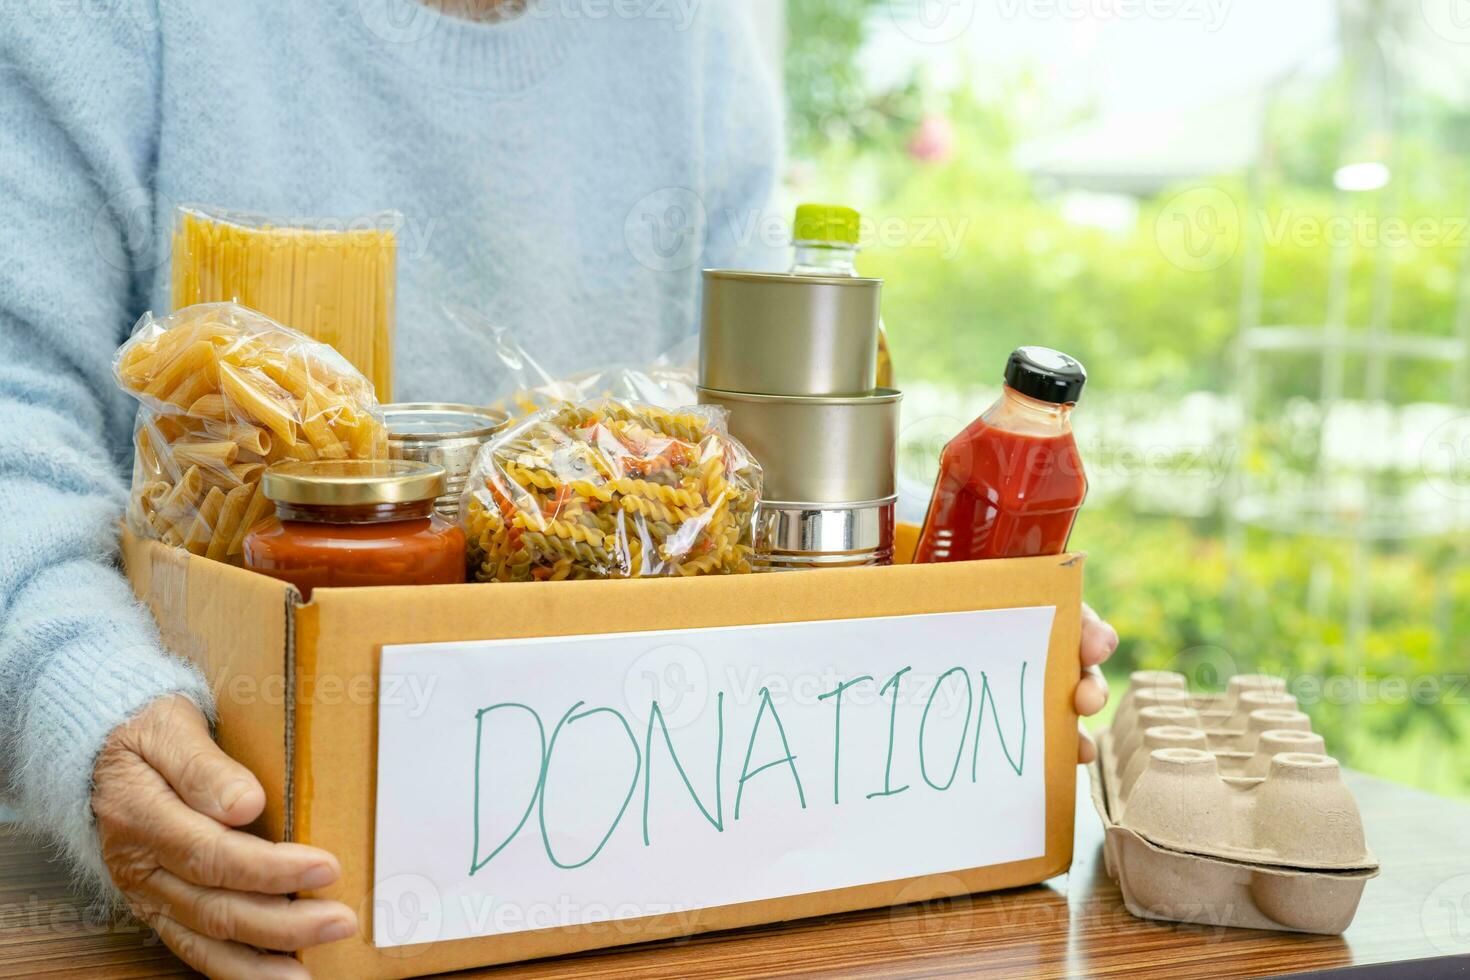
[{"x": 354, "y": 522}]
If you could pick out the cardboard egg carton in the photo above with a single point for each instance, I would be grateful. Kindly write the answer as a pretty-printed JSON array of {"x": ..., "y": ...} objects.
[{"x": 1225, "y": 809}]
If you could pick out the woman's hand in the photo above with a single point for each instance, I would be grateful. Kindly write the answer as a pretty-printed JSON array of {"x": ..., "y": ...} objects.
[
  {"x": 165, "y": 797},
  {"x": 1099, "y": 640}
]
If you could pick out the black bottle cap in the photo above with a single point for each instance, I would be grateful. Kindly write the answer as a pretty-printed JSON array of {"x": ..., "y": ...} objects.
[{"x": 1046, "y": 374}]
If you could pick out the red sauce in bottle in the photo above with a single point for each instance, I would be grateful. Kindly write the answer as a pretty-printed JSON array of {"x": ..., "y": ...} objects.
[{"x": 1011, "y": 483}]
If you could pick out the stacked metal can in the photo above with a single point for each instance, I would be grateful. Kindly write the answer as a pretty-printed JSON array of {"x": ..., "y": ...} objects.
[
  {"x": 445, "y": 435},
  {"x": 794, "y": 358}
]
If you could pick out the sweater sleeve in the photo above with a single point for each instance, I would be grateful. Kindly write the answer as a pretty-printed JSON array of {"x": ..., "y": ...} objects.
[
  {"x": 743, "y": 132},
  {"x": 78, "y": 655}
]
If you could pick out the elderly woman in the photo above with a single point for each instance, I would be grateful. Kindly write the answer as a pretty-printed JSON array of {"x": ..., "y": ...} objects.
[{"x": 568, "y": 171}]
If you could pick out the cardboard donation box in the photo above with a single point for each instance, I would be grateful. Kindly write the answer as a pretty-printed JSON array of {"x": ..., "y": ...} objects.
[{"x": 515, "y": 771}]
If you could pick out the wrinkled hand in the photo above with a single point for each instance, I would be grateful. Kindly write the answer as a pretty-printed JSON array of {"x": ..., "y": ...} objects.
[
  {"x": 165, "y": 799},
  {"x": 1099, "y": 640}
]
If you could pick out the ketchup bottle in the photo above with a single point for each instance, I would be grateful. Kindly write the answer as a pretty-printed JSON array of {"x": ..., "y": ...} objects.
[{"x": 1011, "y": 483}]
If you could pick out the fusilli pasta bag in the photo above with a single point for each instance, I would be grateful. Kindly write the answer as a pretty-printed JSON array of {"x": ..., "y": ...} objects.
[
  {"x": 608, "y": 489},
  {"x": 225, "y": 392}
]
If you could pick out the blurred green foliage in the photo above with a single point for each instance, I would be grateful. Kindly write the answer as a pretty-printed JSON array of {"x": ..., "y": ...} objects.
[
  {"x": 1180, "y": 600},
  {"x": 978, "y": 258},
  {"x": 827, "y": 100},
  {"x": 1126, "y": 302}
]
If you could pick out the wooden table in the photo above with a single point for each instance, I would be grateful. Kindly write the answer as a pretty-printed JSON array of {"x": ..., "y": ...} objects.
[{"x": 1075, "y": 925}]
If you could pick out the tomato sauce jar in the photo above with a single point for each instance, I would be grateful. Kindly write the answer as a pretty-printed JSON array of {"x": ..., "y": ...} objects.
[
  {"x": 354, "y": 522},
  {"x": 1011, "y": 483}
]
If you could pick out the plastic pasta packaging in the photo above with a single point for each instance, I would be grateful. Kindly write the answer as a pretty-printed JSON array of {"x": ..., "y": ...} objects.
[
  {"x": 609, "y": 489},
  {"x": 667, "y": 382},
  {"x": 227, "y": 391},
  {"x": 333, "y": 281}
]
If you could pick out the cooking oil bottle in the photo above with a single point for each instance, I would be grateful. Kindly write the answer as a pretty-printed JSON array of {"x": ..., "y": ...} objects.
[{"x": 825, "y": 237}]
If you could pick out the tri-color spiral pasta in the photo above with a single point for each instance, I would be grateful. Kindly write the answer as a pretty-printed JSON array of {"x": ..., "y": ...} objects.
[{"x": 611, "y": 490}]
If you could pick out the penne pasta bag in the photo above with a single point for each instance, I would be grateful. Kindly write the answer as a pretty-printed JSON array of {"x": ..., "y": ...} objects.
[
  {"x": 611, "y": 489},
  {"x": 224, "y": 392}
]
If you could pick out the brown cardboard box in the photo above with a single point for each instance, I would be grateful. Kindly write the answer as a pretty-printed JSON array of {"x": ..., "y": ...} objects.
[{"x": 296, "y": 685}]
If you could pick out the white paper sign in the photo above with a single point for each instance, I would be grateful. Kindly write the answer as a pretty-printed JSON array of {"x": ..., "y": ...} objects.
[{"x": 524, "y": 784}]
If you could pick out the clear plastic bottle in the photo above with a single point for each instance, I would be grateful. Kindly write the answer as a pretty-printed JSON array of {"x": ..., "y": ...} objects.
[{"x": 825, "y": 238}]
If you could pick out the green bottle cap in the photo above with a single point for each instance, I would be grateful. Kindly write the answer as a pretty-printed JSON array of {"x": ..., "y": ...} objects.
[{"x": 826, "y": 223}]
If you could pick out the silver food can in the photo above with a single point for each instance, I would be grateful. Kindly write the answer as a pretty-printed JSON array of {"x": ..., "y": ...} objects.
[
  {"x": 780, "y": 334},
  {"x": 802, "y": 536},
  {"x": 443, "y": 434},
  {"x": 818, "y": 450}
]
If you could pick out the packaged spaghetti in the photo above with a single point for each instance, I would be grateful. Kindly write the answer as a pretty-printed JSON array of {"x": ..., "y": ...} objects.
[
  {"x": 332, "y": 280},
  {"x": 226, "y": 391},
  {"x": 609, "y": 489}
]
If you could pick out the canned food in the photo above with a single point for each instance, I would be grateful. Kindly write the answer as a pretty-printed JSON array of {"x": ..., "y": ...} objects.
[
  {"x": 800, "y": 537},
  {"x": 444, "y": 435},
  {"x": 818, "y": 450},
  {"x": 780, "y": 334}
]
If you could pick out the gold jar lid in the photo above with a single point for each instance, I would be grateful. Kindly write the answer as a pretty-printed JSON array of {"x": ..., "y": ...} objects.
[{"x": 352, "y": 482}]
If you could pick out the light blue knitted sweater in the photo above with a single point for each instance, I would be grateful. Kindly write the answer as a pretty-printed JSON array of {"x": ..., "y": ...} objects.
[{"x": 568, "y": 173}]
